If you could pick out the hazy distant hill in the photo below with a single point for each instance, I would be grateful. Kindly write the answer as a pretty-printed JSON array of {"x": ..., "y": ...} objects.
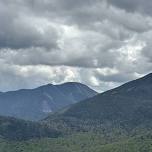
[{"x": 35, "y": 104}]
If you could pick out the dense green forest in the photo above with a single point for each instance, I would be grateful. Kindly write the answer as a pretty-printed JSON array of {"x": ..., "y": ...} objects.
[
  {"x": 16, "y": 129},
  {"x": 86, "y": 142}
]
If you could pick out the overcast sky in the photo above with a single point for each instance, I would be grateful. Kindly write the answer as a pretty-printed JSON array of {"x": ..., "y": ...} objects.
[{"x": 101, "y": 43}]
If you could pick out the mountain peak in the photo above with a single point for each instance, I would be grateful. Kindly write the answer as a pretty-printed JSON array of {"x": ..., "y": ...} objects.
[
  {"x": 34, "y": 104},
  {"x": 63, "y": 84},
  {"x": 73, "y": 83}
]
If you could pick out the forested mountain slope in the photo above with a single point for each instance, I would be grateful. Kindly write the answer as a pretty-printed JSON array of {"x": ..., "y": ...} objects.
[{"x": 128, "y": 106}]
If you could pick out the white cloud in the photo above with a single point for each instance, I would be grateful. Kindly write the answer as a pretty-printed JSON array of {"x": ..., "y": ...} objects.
[{"x": 100, "y": 43}]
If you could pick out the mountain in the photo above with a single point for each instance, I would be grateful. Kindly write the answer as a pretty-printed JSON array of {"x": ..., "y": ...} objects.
[
  {"x": 16, "y": 129},
  {"x": 35, "y": 104},
  {"x": 119, "y": 120},
  {"x": 127, "y": 107}
]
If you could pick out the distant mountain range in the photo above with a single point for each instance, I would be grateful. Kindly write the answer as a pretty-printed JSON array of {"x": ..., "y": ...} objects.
[
  {"x": 35, "y": 104},
  {"x": 127, "y": 107}
]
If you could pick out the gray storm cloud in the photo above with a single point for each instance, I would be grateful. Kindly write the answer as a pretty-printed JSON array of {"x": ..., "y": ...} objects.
[{"x": 100, "y": 43}]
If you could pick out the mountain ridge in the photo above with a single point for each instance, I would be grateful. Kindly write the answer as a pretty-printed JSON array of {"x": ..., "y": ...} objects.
[
  {"x": 127, "y": 106},
  {"x": 35, "y": 104}
]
